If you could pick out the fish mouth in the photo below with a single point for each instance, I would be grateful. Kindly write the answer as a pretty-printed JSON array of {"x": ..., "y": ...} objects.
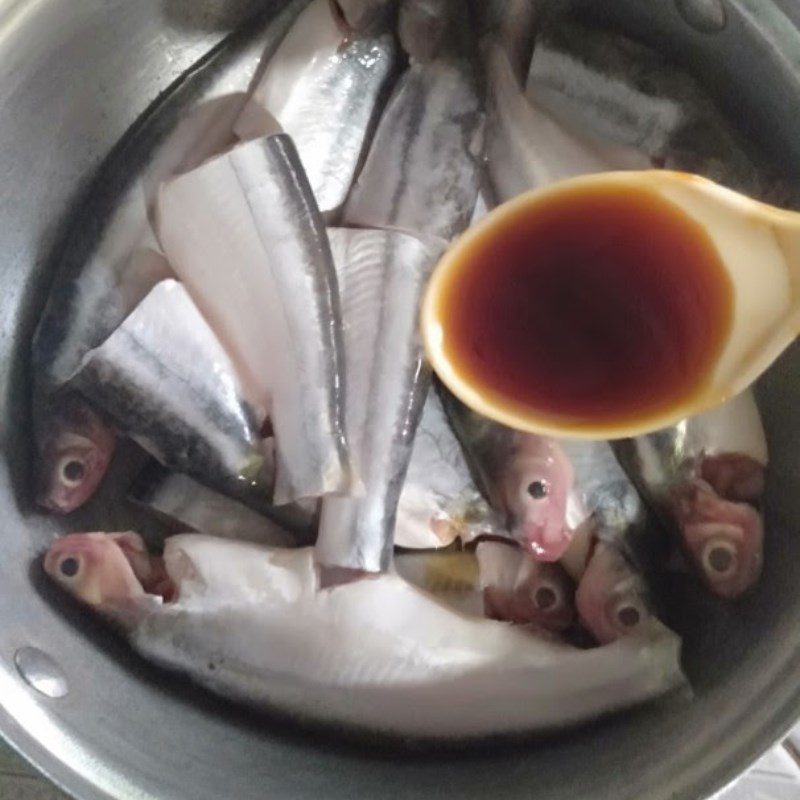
[{"x": 544, "y": 542}]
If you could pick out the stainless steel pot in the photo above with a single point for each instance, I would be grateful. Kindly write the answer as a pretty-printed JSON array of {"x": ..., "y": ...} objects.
[{"x": 73, "y": 75}]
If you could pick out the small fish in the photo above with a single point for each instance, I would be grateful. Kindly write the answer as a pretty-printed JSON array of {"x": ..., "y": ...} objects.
[
  {"x": 324, "y": 87},
  {"x": 381, "y": 276},
  {"x": 619, "y": 91},
  {"x": 518, "y": 589},
  {"x": 704, "y": 476},
  {"x": 244, "y": 233},
  {"x": 526, "y": 477},
  {"x": 440, "y": 502},
  {"x": 195, "y": 507},
  {"x": 110, "y": 260},
  {"x": 526, "y": 148},
  {"x": 421, "y": 174},
  {"x": 249, "y": 622},
  {"x": 164, "y": 380}
]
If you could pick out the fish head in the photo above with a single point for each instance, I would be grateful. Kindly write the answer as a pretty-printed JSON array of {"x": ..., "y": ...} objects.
[
  {"x": 724, "y": 539},
  {"x": 611, "y": 598},
  {"x": 537, "y": 483},
  {"x": 73, "y": 460},
  {"x": 734, "y": 476},
  {"x": 94, "y": 569}
]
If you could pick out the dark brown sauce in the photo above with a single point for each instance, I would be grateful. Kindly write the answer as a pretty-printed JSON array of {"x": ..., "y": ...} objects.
[{"x": 599, "y": 305}]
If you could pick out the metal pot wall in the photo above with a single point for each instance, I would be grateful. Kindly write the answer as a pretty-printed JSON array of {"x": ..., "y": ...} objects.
[{"x": 73, "y": 76}]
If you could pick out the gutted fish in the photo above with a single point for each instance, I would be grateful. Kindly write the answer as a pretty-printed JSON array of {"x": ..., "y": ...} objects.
[
  {"x": 196, "y": 507},
  {"x": 422, "y": 174},
  {"x": 440, "y": 502},
  {"x": 109, "y": 260},
  {"x": 524, "y": 476},
  {"x": 244, "y": 234},
  {"x": 381, "y": 276},
  {"x": 623, "y": 93},
  {"x": 248, "y": 622},
  {"x": 165, "y": 381},
  {"x": 526, "y": 148},
  {"x": 705, "y": 476},
  {"x": 324, "y": 87}
]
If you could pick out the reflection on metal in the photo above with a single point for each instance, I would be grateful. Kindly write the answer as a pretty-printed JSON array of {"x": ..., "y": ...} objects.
[{"x": 41, "y": 672}]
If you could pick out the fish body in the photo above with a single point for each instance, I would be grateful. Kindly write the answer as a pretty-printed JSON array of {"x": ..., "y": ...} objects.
[
  {"x": 110, "y": 259},
  {"x": 324, "y": 86},
  {"x": 244, "y": 234},
  {"x": 513, "y": 24},
  {"x": 705, "y": 477},
  {"x": 526, "y": 477},
  {"x": 250, "y": 623},
  {"x": 164, "y": 380},
  {"x": 421, "y": 174},
  {"x": 381, "y": 275}
]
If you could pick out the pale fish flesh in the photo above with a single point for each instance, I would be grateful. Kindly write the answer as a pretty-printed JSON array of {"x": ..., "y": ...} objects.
[
  {"x": 248, "y": 622},
  {"x": 421, "y": 174},
  {"x": 163, "y": 379},
  {"x": 244, "y": 233},
  {"x": 705, "y": 477},
  {"x": 526, "y": 148},
  {"x": 325, "y": 87},
  {"x": 381, "y": 277},
  {"x": 109, "y": 260},
  {"x": 193, "y": 506}
]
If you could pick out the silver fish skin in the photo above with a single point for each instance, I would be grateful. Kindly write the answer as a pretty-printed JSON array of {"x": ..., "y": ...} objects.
[
  {"x": 164, "y": 380},
  {"x": 109, "y": 259},
  {"x": 422, "y": 173},
  {"x": 325, "y": 87},
  {"x": 612, "y": 88},
  {"x": 250, "y": 623},
  {"x": 198, "y": 508},
  {"x": 276, "y": 305},
  {"x": 381, "y": 277},
  {"x": 440, "y": 501}
]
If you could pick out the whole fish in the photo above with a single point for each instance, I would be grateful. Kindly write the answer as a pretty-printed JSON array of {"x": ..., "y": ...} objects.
[
  {"x": 526, "y": 148},
  {"x": 421, "y": 174},
  {"x": 324, "y": 86},
  {"x": 165, "y": 381},
  {"x": 440, "y": 502},
  {"x": 624, "y": 93},
  {"x": 524, "y": 476},
  {"x": 381, "y": 276},
  {"x": 612, "y": 547},
  {"x": 244, "y": 233},
  {"x": 250, "y": 623},
  {"x": 704, "y": 476},
  {"x": 195, "y": 507},
  {"x": 109, "y": 261}
]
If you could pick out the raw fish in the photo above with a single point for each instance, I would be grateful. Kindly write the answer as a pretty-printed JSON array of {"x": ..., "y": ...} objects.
[
  {"x": 421, "y": 174},
  {"x": 248, "y": 622},
  {"x": 324, "y": 87},
  {"x": 109, "y": 260},
  {"x": 619, "y": 91},
  {"x": 381, "y": 276},
  {"x": 440, "y": 502},
  {"x": 164, "y": 380},
  {"x": 513, "y": 24},
  {"x": 244, "y": 234},
  {"x": 526, "y": 477},
  {"x": 196, "y": 507},
  {"x": 361, "y": 15},
  {"x": 704, "y": 476}
]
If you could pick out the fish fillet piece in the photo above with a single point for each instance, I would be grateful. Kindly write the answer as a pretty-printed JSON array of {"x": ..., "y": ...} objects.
[
  {"x": 381, "y": 277},
  {"x": 324, "y": 86},
  {"x": 244, "y": 233},
  {"x": 164, "y": 380},
  {"x": 248, "y": 622}
]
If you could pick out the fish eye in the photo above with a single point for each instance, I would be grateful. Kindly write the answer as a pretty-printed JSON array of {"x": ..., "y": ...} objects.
[
  {"x": 628, "y": 614},
  {"x": 719, "y": 559},
  {"x": 69, "y": 567},
  {"x": 538, "y": 490},
  {"x": 546, "y": 598},
  {"x": 72, "y": 471}
]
